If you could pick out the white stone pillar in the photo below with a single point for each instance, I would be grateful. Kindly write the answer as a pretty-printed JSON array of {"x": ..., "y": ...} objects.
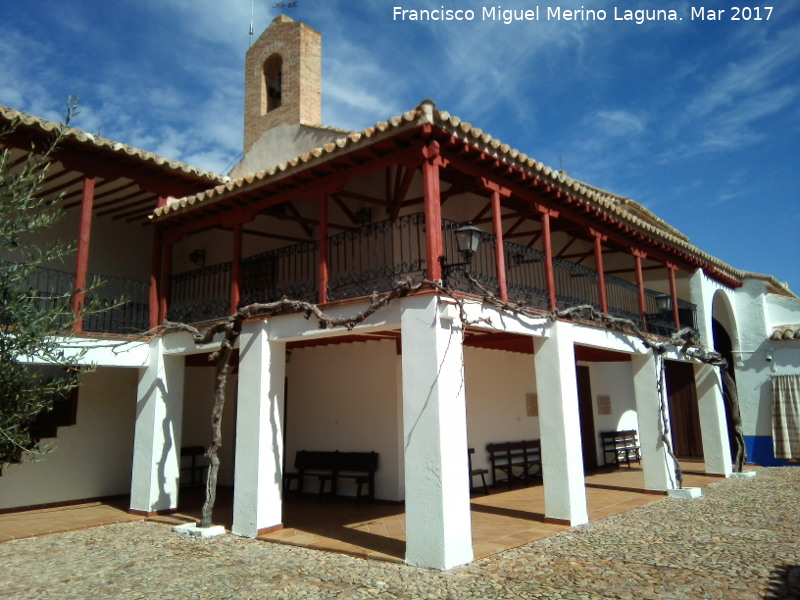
[
  {"x": 258, "y": 474},
  {"x": 713, "y": 424},
  {"x": 155, "y": 477},
  {"x": 438, "y": 520},
  {"x": 560, "y": 427},
  {"x": 658, "y": 466}
]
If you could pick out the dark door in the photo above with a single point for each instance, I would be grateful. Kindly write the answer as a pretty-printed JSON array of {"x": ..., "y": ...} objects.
[
  {"x": 587, "y": 419},
  {"x": 683, "y": 410}
]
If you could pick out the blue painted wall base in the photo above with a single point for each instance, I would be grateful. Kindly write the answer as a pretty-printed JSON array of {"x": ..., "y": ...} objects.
[{"x": 761, "y": 452}]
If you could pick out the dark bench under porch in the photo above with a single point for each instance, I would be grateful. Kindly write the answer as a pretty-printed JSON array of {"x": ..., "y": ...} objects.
[
  {"x": 620, "y": 447},
  {"x": 520, "y": 461},
  {"x": 329, "y": 467}
]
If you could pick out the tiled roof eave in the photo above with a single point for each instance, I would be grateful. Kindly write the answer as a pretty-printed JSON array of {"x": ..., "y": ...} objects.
[
  {"x": 425, "y": 113},
  {"x": 586, "y": 194},
  {"x": 294, "y": 166},
  {"x": 785, "y": 332},
  {"x": 79, "y": 137}
]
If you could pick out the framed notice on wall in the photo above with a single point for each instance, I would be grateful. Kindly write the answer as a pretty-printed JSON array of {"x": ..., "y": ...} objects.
[
  {"x": 604, "y": 405},
  {"x": 532, "y": 405}
]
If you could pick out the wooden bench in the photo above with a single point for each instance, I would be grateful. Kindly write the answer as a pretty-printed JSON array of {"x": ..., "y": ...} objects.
[
  {"x": 194, "y": 468},
  {"x": 621, "y": 446},
  {"x": 515, "y": 460},
  {"x": 330, "y": 467},
  {"x": 476, "y": 473}
]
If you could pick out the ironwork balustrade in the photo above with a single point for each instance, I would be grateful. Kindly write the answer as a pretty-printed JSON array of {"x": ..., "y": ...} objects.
[
  {"x": 575, "y": 284},
  {"x": 525, "y": 276},
  {"x": 123, "y": 304},
  {"x": 200, "y": 294},
  {"x": 289, "y": 272},
  {"x": 374, "y": 257},
  {"x": 482, "y": 268},
  {"x": 622, "y": 297}
]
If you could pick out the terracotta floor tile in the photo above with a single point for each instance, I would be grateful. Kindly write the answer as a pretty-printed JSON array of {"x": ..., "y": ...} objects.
[{"x": 501, "y": 520}]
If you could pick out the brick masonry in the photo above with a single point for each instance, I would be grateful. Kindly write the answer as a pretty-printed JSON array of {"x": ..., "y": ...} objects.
[{"x": 300, "y": 48}]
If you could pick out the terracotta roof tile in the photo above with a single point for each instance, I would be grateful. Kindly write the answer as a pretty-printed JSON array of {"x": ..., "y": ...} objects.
[
  {"x": 622, "y": 208},
  {"x": 82, "y": 137},
  {"x": 785, "y": 332}
]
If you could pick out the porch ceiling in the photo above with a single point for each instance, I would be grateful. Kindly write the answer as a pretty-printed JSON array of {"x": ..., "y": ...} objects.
[{"x": 128, "y": 181}]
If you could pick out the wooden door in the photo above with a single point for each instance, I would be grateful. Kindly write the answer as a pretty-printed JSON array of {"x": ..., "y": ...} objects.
[
  {"x": 586, "y": 409},
  {"x": 683, "y": 410}
]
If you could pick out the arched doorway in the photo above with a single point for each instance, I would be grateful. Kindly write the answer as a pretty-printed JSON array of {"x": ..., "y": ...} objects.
[{"x": 723, "y": 331}]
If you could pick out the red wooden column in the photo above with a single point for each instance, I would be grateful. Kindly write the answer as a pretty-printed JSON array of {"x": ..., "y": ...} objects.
[
  {"x": 599, "y": 238},
  {"x": 638, "y": 255},
  {"x": 499, "y": 247},
  {"x": 82, "y": 260},
  {"x": 166, "y": 275},
  {"x": 236, "y": 268},
  {"x": 155, "y": 278},
  {"x": 673, "y": 291},
  {"x": 549, "y": 272},
  {"x": 433, "y": 208},
  {"x": 323, "y": 248}
]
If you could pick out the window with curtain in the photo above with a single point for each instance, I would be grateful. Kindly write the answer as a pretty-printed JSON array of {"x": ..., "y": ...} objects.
[{"x": 786, "y": 416}]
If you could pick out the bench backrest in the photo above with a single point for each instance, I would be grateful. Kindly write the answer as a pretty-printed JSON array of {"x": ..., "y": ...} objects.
[
  {"x": 313, "y": 460},
  {"x": 532, "y": 449},
  {"x": 628, "y": 436},
  {"x": 357, "y": 461},
  {"x": 317, "y": 460}
]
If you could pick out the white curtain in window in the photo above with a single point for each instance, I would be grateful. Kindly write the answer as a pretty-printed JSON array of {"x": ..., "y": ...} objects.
[{"x": 786, "y": 415}]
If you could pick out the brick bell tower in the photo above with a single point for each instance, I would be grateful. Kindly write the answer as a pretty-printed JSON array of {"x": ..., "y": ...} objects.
[{"x": 283, "y": 79}]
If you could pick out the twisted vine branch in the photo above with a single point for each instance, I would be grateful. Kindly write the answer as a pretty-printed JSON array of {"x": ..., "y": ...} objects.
[{"x": 685, "y": 340}]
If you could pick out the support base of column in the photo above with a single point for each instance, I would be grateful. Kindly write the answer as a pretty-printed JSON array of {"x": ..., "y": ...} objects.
[
  {"x": 153, "y": 513},
  {"x": 742, "y": 475},
  {"x": 685, "y": 493},
  {"x": 554, "y": 521},
  {"x": 266, "y": 530},
  {"x": 204, "y": 532}
]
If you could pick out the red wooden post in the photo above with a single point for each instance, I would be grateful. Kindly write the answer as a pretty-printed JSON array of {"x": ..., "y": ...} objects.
[
  {"x": 166, "y": 275},
  {"x": 549, "y": 272},
  {"x": 673, "y": 290},
  {"x": 82, "y": 260},
  {"x": 638, "y": 255},
  {"x": 499, "y": 246},
  {"x": 433, "y": 209},
  {"x": 601, "y": 274},
  {"x": 323, "y": 248},
  {"x": 155, "y": 278},
  {"x": 236, "y": 268}
]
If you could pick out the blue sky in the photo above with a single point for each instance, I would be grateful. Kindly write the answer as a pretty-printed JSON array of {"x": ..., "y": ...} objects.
[{"x": 698, "y": 120}]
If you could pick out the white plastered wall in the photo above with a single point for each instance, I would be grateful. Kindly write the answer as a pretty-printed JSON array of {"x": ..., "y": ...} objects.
[
  {"x": 497, "y": 384},
  {"x": 198, "y": 402},
  {"x": 615, "y": 380},
  {"x": 345, "y": 397},
  {"x": 92, "y": 458}
]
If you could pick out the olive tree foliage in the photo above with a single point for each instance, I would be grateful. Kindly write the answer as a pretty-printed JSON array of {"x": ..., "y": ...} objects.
[{"x": 31, "y": 321}]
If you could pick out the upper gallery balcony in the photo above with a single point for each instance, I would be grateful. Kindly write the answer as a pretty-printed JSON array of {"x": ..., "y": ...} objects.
[{"x": 372, "y": 258}]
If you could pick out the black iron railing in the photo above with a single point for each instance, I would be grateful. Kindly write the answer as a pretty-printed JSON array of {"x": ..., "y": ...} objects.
[
  {"x": 200, "y": 294},
  {"x": 482, "y": 267},
  {"x": 623, "y": 299},
  {"x": 119, "y": 305},
  {"x": 289, "y": 272},
  {"x": 374, "y": 257},
  {"x": 123, "y": 306},
  {"x": 525, "y": 276}
]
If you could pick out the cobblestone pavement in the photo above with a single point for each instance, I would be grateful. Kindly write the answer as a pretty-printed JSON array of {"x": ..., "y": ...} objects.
[{"x": 739, "y": 540}]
